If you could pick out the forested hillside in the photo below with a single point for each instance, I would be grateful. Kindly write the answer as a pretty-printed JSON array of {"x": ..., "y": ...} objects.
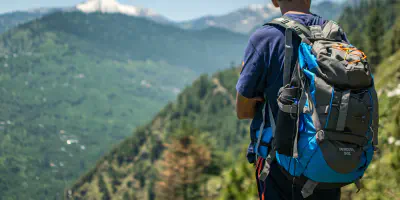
[
  {"x": 371, "y": 27},
  {"x": 142, "y": 167},
  {"x": 159, "y": 158},
  {"x": 13, "y": 19},
  {"x": 74, "y": 84},
  {"x": 205, "y": 112}
]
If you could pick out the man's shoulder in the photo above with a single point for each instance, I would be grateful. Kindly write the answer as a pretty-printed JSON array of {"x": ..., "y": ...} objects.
[{"x": 267, "y": 33}]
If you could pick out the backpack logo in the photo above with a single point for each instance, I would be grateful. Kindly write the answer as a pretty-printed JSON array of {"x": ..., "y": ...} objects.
[{"x": 347, "y": 151}]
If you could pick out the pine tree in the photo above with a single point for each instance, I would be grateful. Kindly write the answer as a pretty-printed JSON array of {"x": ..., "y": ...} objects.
[
  {"x": 126, "y": 196},
  {"x": 103, "y": 188},
  {"x": 180, "y": 173},
  {"x": 240, "y": 183},
  {"x": 395, "y": 38},
  {"x": 375, "y": 31}
]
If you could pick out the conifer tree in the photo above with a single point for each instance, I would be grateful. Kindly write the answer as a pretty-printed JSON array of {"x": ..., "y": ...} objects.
[
  {"x": 395, "y": 38},
  {"x": 240, "y": 183},
  {"x": 103, "y": 188},
  {"x": 375, "y": 31},
  {"x": 180, "y": 173}
]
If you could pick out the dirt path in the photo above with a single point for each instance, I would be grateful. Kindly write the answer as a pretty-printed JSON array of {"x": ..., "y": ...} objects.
[{"x": 223, "y": 90}]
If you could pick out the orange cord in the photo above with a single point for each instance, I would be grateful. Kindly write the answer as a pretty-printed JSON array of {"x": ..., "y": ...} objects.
[
  {"x": 259, "y": 167},
  {"x": 351, "y": 50}
]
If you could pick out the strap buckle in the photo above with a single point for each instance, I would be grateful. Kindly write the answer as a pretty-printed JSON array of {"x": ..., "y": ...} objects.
[
  {"x": 267, "y": 166},
  {"x": 308, "y": 188}
]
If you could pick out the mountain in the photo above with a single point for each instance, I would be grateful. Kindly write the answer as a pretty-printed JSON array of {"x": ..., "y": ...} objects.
[
  {"x": 328, "y": 9},
  {"x": 73, "y": 84},
  {"x": 242, "y": 20},
  {"x": 13, "y": 19},
  {"x": 246, "y": 20},
  {"x": 112, "y": 6}
]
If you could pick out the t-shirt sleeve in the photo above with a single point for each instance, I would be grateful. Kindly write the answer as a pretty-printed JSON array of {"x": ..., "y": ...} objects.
[{"x": 253, "y": 67}]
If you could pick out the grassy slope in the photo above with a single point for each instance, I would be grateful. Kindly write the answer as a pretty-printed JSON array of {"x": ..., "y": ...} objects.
[{"x": 382, "y": 180}]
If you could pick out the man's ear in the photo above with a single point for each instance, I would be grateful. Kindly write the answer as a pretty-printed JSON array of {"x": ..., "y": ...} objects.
[
  {"x": 308, "y": 2},
  {"x": 275, "y": 2}
]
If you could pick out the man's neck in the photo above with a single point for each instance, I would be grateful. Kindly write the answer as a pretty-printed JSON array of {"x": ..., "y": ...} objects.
[{"x": 296, "y": 11}]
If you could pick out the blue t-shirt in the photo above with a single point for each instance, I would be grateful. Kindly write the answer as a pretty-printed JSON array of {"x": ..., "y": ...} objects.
[{"x": 263, "y": 64}]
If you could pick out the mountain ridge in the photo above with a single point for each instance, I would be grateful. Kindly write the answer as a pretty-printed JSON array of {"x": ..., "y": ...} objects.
[
  {"x": 246, "y": 20},
  {"x": 242, "y": 20}
]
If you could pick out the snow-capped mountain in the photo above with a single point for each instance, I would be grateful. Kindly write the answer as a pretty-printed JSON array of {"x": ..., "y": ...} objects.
[
  {"x": 112, "y": 6},
  {"x": 247, "y": 19},
  {"x": 242, "y": 20},
  {"x": 13, "y": 19}
]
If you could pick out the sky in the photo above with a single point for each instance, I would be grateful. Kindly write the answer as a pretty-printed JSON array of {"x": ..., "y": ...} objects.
[{"x": 178, "y": 10}]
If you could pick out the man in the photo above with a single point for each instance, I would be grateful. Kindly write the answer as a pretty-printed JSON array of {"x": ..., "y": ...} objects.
[{"x": 263, "y": 67}]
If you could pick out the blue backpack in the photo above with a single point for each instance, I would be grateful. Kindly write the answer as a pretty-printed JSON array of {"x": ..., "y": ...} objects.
[{"x": 326, "y": 128}]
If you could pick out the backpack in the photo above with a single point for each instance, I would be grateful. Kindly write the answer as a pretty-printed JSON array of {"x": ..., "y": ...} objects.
[{"x": 326, "y": 128}]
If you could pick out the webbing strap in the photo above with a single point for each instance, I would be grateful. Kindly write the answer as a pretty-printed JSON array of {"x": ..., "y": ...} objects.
[
  {"x": 302, "y": 102},
  {"x": 308, "y": 188},
  {"x": 292, "y": 109},
  {"x": 261, "y": 128},
  {"x": 314, "y": 116},
  {"x": 285, "y": 22},
  {"x": 300, "y": 109},
  {"x": 271, "y": 155},
  {"x": 375, "y": 117},
  {"x": 267, "y": 166},
  {"x": 288, "y": 56},
  {"x": 323, "y": 109},
  {"x": 344, "y": 107},
  {"x": 271, "y": 121},
  {"x": 358, "y": 184}
]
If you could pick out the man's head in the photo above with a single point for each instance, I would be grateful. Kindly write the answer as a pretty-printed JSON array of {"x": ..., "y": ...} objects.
[{"x": 293, "y": 5}]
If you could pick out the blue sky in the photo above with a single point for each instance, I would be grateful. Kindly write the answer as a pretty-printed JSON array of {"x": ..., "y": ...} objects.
[{"x": 173, "y": 9}]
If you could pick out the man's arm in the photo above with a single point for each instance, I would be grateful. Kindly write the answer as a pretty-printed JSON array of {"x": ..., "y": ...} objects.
[
  {"x": 251, "y": 76},
  {"x": 245, "y": 108}
]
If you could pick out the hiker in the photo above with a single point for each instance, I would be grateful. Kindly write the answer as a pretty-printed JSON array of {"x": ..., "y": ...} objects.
[{"x": 317, "y": 114}]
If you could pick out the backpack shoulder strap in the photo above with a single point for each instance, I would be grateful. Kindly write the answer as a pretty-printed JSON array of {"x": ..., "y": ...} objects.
[
  {"x": 287, "y": 23},
  {"x": 291, "y": 26}
]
